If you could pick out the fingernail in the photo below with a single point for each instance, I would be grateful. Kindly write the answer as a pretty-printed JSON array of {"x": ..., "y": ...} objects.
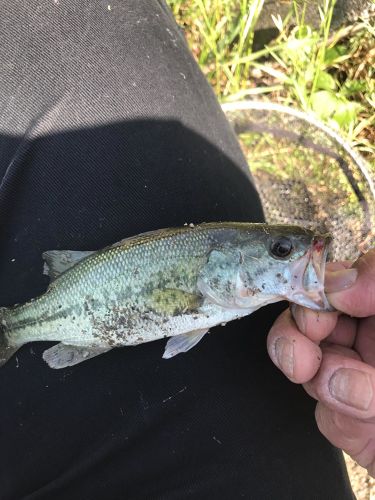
[
  {"x": 335, "y": 281},
  {"x": 284, "y": 350},
  {"x": 351, "y": 387}
]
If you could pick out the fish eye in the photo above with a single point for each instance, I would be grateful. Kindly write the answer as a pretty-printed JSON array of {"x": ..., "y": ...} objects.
[{"x": 281, "y": 248}]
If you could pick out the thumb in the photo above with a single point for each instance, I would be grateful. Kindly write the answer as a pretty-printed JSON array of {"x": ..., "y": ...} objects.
[{"x": 352, "y": 291}]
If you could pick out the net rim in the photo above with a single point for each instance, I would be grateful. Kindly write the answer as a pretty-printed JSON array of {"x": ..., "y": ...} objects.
[{"x": 310, "y": 119}]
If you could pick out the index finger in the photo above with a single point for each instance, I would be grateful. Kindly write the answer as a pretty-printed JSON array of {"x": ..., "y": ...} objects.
[{"x": 358, "y": 299}]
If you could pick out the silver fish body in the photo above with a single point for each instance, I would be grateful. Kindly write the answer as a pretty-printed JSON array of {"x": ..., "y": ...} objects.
[{"x": 176, "y": 282}]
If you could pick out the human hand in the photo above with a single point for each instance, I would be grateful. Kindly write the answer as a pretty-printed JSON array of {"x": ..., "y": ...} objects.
[{"x": 333, "y": 355}]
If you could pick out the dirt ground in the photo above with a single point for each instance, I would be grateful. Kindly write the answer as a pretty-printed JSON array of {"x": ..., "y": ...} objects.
[{"x": 363, "y": 485}]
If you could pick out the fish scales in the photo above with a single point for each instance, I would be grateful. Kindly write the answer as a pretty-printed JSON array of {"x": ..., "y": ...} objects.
[
  {"x": 120, "y": 275},
  {"x": 160, "y": 284}
]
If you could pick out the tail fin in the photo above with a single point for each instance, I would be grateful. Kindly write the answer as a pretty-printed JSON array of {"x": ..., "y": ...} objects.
[{"x": 6, "y": 350}]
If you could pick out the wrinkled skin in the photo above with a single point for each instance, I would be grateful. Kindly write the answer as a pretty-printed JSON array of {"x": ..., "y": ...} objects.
[{"x": 333, "y": 355}]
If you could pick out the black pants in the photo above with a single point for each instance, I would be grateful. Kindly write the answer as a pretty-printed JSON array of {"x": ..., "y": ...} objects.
[{"x": 109, "y": 129}]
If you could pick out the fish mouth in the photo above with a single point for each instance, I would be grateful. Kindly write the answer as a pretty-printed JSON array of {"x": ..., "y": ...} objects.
[{"x": 308, "y": 276}]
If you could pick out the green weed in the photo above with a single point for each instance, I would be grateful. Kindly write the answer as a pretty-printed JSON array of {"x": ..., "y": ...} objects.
[{"x": 310, "y": 68}]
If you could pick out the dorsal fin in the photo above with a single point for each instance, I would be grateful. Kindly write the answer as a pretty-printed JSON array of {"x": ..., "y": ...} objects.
[{"x": 58, "y": 261}]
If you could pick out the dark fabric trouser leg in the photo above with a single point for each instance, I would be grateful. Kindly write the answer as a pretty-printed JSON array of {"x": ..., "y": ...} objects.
[{"x": 109, "y": 129}]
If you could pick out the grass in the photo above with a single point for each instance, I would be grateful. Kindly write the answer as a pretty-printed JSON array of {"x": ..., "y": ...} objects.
[
  {"x": 330, "y": 74},
  {"x": 221, "y": 34}
]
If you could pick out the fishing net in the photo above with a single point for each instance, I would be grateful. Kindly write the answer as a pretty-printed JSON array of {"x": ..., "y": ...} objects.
[{"x": 307, "y": 174}]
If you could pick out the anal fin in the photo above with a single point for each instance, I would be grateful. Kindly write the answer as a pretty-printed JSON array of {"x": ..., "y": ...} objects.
[
  {"x": 183, "y": 343},
  {"x": 6, "y": 349},
  {"x": 6, "y": 352},
  {"x": 63, "y": 355}
]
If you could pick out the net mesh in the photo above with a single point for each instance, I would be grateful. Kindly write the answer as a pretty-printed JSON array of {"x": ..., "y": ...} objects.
[{"x": 306, "y": 174}]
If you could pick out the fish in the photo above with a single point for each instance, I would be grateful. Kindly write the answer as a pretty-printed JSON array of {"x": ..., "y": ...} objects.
[{"x": 174, "y": 282}]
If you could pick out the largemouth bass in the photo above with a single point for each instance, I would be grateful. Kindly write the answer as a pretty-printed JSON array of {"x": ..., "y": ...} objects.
[{"x": 176, "y": 282}]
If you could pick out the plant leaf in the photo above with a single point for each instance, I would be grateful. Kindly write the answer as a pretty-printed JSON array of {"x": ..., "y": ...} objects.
[
  {"x": 351, "y": 87},
  {"x": 346, "y": 112},
  {"x": 324, "y": 103},
  {"x": 278, "y": 22},
  {"x": 325, "y": 81},
  {"x": 334, "y": 53}
]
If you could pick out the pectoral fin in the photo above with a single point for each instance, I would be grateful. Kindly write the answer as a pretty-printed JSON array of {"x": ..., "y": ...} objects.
[
  {"x": 62, "y": 355},
  {"x": 183, "y": 342}
]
